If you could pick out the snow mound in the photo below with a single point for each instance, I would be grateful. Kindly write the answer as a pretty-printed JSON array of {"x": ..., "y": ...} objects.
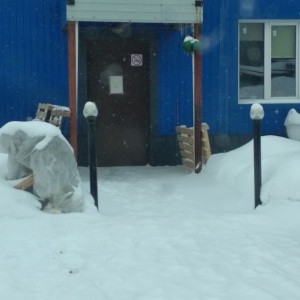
[
  {"x": 236, "y": 169},
  {"x": 292, "y": 124},
  {"x": 293, "y": 117}
]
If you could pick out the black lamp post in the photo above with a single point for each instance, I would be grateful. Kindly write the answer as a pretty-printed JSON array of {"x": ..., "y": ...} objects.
[
  {"x": 90, "y": 112},
  {"x": 257, "y": 114}
]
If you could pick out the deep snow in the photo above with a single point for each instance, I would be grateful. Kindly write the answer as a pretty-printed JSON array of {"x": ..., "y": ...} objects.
[{"x": 161, "y": 233}]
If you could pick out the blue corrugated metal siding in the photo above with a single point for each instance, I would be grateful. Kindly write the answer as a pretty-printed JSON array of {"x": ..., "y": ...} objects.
[
  {"x": 174, "y": 84},
  {"x": 220, "y": 65},
  {"x": 33, "y": 57}
]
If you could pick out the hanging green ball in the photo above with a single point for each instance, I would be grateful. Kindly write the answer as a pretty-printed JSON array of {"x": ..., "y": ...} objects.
[
  {"x": 187, "y": 44},
  {"x": 196, "y": 45}
]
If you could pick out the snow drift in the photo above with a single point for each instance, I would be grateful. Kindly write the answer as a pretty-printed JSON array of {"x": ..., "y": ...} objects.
[{"x": 280, "y": 158}]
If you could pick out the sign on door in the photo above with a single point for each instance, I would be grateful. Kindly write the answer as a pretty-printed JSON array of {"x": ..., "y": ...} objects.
[{"x": 136, "y": 60}]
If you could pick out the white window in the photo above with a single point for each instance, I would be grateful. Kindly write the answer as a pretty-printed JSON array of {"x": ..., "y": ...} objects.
[{"x": 268, "y": 62}]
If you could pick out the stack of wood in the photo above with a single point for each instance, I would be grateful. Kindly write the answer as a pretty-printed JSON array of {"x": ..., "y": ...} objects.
[{"x": 185, "y": 137}]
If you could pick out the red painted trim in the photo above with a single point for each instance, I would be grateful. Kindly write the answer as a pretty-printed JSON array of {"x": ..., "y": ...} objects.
[
  {"x": 72, "y": 85},
  {"x": 198, "y": 102}
]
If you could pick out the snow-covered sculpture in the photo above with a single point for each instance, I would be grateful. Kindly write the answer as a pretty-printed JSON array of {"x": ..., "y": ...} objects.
[
  {"x": 40, "y": 148},
  {"x": 292, "y": 124}
]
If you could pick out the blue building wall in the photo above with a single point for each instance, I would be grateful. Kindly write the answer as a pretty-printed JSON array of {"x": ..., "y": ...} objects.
[
  {"x": 220, "y": 65},
  {"x": 175, "y": 84},
  {"x": 34, "y": 64},
  {"x": 33, "y": 57}
]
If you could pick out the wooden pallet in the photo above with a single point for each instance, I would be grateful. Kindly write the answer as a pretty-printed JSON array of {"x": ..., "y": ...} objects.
[
  {"x": 57, "y": 115},
  {"x": 185, "y": 137},
  {"x": 43, "y": 112},
  {"x": 52, "y": 114}
]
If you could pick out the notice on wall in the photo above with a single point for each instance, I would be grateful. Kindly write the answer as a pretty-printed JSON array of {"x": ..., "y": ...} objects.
[
  {"x": 116, "y": 84},
  {"x": 136, "y": 60}
]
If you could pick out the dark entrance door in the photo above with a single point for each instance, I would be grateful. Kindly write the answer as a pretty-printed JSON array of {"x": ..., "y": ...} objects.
[{"x": 118, "y": 82}]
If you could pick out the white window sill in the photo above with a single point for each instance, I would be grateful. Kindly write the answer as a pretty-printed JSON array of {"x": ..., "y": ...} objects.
[{"x": 271, "y": 101}]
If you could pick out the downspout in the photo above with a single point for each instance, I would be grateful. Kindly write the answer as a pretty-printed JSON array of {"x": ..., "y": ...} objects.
[
  {"x": 198, "y": 92},
  {"x": 72, "y": 84}
]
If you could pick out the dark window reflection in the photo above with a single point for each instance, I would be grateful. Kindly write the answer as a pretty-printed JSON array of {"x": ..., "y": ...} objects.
[
  {"x": 251, "y": 61},
  {"x": 283, "y": 61}
]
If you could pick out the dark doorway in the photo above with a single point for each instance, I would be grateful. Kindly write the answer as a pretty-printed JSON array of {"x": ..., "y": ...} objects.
[{"x": 118, "y": 82}]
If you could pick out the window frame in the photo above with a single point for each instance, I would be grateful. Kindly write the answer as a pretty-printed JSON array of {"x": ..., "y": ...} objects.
[{"x": 267, "y": 63}]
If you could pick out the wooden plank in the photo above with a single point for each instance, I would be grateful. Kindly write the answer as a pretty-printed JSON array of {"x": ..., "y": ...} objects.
[
  {"x": 186, "y": 154},
  {"x": 60, "y": 112},
  {"x": 25, "y": 183},
  {"x": 43, "y": 111},
  {"x": 187, "y": 147},
  {"x": 184, "y": 130},
  {"x": 45, "y": 106},
  {"x": 41, "y": 115},
  {"x": 186, "y": 139},
  {"x": 56, "y": 121},
  {"x": 57, "y": 115},
  {"x": 188, "y": 163}
]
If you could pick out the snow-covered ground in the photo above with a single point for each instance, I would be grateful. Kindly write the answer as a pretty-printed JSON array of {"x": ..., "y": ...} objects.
[{"x": 161, "y": 233}]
